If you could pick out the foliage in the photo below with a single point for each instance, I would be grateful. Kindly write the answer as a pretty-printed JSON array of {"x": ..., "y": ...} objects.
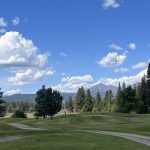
[
  {"x": 97, "y": 103},
  {"x": 88, "y": 104},
  {"x": 70, "y": 105},
  {"x": 80, "y": 99},
  {"x": 19, "y": 114},
  {"x": 48, "y": 102},
  {"x": 2, "y": 105}
]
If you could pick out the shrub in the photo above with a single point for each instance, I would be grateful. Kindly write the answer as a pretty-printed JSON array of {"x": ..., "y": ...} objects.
[{"x": 19, "y": 114}]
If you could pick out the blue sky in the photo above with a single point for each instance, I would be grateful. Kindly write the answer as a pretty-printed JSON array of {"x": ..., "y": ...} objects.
[{"x": 72, "y": 43}]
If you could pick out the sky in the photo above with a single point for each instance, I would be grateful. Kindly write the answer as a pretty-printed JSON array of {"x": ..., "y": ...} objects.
[{"x": 66, "y": 44}]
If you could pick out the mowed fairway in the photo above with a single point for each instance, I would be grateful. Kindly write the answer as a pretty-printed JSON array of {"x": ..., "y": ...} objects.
[{"x": 62, "y": 132}]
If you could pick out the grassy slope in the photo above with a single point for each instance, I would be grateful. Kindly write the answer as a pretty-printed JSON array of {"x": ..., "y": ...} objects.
[
  {"x": 60, "y": 136},
  {"x": 113, "y": 122}
]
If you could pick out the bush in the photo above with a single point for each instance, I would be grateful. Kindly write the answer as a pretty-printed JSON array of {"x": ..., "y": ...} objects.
[{"x": 19, "y": 114}]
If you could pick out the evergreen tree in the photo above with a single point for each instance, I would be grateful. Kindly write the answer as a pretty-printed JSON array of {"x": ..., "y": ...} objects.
[
  {"x": 2, "y": 105},
  {"x": 70, "y": 104},
  {"x": 40, "y": 102},
  {"x": 55, "y": 104},
  {"x": 48, "y": 102},
  {"x": 148, "y": 90},
  {"x": 80, "y": 99},
  {"x": 97, "y": 104},
  {"x": 140, "y": 102},
  {"x": 117, "y": 98},
  {"x": 129, "y": 99},
  {"x": 87, "y": 107},
  {"x": 141, "y": 91},
  {"x": 108, "y": 100}
]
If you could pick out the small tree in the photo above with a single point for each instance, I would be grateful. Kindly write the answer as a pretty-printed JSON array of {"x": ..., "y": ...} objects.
[
  {"x": 55, "y": 103},
  {"x": 2, "y": 105},
  {"x": 19, "y": 114},
  {"x": 148, "y": 90},
  {"x": 87, "y": 107},
  {"x": 97, "y": 104},
  {"x": 70, "y": 104},
  {"x": 80, "y": 99},
  {"x": 48, "y": 102},
  {"x": 40, "y": 103}
]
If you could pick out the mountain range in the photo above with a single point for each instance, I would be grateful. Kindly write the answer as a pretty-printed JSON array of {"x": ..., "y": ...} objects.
[{"x": 102, "y": 88}]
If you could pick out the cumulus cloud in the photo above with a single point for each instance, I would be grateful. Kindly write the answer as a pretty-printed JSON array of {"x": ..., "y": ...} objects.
[
  {"x": 71, "y": 84},
  {"x": 115, "y": 47},
  {"x": 110, "y": 3},
  {"x": 16, "y": 21},
  {"x": 63, "y": 54},
  {"x": 121, "y": 70},
  {"x": 132, "y": 46},
  {"x": 140, "y": 65},
  {"x": 21, "y": 57},
  {"x": 3, "y": 23},
  {"x": 12, "y": 92},
  {"x": 113, "y": 59},
  {"x": 129, "y": 80}
]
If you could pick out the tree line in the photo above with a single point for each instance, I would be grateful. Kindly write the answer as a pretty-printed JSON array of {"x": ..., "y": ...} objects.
[
  {"x": 128, "y": 98},
  {"x": 48, "y": 102}
]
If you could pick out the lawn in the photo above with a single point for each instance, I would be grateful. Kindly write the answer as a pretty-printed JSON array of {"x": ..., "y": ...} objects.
[
  {"x": 62, "y": 135},
  {"x": 71, "y": 141}
]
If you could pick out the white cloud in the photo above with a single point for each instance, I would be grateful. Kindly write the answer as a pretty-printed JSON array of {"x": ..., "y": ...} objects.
[
  {"x": 140, "y": 65},
  {"x": 2, "y": 30},
  {"x": 12, "y": 92},
  {"x": 71, "y": 84},
  {"x": 115, "y": 47},
  {"x": 22, "y": 58},
  {"x": 112, "y": 59},
  {"x": 121, "y": 70},
  {"x": 3, "y": 23},
  {"x": 63, "y": 54},
  {"x": 110, "y": 3},
  {"x": 129, "y": 80},
  {"x": 132, "y": 46},
  {"x": 16, "y": 21}
]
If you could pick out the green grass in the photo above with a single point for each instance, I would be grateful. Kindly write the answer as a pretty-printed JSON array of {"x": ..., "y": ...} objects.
[
  {"x": 62, "y": 135},
  {"x": 71, "y": 141}
]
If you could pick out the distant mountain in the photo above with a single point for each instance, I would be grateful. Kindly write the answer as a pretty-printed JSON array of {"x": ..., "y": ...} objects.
[
  {"x": 31, "y": 97},
  {"x": 20, "y": 97},
  {"x": 102, "y": 88},
  {"x": 66, "y": 95}
]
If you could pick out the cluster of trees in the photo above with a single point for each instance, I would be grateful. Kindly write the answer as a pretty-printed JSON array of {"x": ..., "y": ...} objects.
[
  {"x": 127, "y": 99},
  {"x": 84, "y": 102},
  {"x": 47, "y": 102},
  {"x": 136, "y": 98}
]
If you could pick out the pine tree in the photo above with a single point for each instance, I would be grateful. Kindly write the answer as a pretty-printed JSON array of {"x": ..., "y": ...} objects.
[
  {"x": 129, "y": 100},
  {"x": 148, "y": 90},
  {"x": 117, "y": 98},
  {"x": 87, "y": 107},
  {"x": 48, "y": 102},
  {"x": 80, "y": 99},
  {"x": 70, "y": 104},
  {"x": 2, "y": 105},
  {"x": 108, "y": 100},
  {"x": 97, "y": 104},
  {"x": 55, "y": 104},
  {"x": 40, "y": 102},
  {"x": 141, "y": 96}
]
